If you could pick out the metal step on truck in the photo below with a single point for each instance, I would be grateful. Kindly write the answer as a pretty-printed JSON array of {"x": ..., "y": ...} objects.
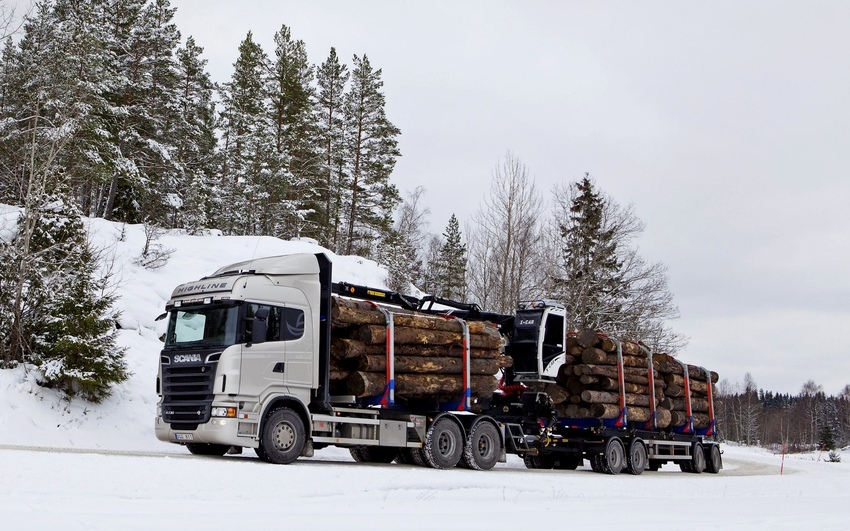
[{"x": 246, "y": 363}]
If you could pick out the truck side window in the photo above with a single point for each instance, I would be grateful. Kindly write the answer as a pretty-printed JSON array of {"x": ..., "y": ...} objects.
[
  {"x": 293, "y": 324},
  {"x": 283, "y": 324}
]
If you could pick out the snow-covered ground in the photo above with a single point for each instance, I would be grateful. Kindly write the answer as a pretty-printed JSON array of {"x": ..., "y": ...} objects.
[{"x": 83, "y": 466}]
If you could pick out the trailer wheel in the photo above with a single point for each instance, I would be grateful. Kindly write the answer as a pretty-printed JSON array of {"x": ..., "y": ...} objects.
[
  {"x": 613, "y": 460},
  {"x": 482, "y": 448},
  {"x": 283, "y": 436},
  {"x": 714, "y": 462},
  {"x": 696, "y": 465},
  {"x": 636, "y": 460},
  {"x": 443, "y": 444},
  {"x": 207, "y": 449}
]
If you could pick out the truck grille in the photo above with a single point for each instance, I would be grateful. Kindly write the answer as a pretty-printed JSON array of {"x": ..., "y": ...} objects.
[{"x": 187, "y": 393}]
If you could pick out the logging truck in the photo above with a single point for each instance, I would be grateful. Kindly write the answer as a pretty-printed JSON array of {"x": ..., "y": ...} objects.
[{"x": 270, "y": 354}]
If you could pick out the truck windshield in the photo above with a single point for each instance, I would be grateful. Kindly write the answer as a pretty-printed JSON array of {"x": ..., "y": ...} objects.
[{"x": 202, "y": 326}]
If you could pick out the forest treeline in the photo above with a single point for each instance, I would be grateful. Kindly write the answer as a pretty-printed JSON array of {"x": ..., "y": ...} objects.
[
  {"x": 809, "y": 420},
  {"x": 109, "y": 103}
]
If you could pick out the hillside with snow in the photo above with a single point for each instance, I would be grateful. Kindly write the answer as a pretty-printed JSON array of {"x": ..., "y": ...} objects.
[
  {"x": 125, "y": 420},
  {"x": 82, "y": 466}
]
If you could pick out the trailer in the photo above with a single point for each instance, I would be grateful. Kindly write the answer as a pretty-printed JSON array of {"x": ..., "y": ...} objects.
[{"x": 247, "y": 364}]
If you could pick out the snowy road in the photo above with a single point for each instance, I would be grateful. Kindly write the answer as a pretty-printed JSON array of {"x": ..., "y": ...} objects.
[{"x": 44, "y": 488}]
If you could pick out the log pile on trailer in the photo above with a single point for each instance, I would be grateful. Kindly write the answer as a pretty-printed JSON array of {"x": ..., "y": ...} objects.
[
  {"x": 428, "y": 355},
  {"x": 603, "y": 378}
]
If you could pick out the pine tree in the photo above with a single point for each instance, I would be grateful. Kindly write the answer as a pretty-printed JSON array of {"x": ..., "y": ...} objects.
[
  {"x": 331, "y": 77},
  {"x": 452, "y": 276},
  {"x": 194, "y": 131},
  {"x": 372, "y": 150},
  {"x": 143, "y": 41},
  {"x": 254, "y": 174},
  {"x": 296, "y": 130}
]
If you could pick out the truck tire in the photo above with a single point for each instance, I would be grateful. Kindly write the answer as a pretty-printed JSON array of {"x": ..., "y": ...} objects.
[
  {"x": 636, "y": 459},
  {"x": 283, "y": 436},
  {"x": 417, "y": 455},
  {"x": 714, "y": 462},
  {"x": 613, "y": 459},
  {"x": 483, "y": 447},
  {"x": 443, "y": 444},
  {"x": 356, "y": 455},
  {"x": 207, "y": 449},
  {"x": 405, "y": 456},
  {"x": 261, "y": 454},
  {"x": 539, "y": 461},
  {"x": 594, "y": 463},
  {"x": 696, "y": 464},
  {"x": 654, "y": 466}
]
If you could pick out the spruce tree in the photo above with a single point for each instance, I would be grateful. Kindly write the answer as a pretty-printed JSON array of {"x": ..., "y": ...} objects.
[
  {"x": 593, "y": 279},
  {"x": 64, "y": 324},
  {"x": 452, "y": 272},
  {"x": 601, "y": 279},
  {"x": 331, "y": 78},
  {"x": 372, "y": 150}
]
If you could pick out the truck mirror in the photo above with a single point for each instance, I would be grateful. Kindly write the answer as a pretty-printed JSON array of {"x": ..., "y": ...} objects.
[{"x": 260, "y": 325}]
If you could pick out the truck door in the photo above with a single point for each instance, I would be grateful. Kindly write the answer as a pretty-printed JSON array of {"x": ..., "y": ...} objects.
[{"x": 285, "y": 357}]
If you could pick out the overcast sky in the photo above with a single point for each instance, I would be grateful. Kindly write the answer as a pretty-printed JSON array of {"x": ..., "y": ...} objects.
[{"x": 725, "y": 124}]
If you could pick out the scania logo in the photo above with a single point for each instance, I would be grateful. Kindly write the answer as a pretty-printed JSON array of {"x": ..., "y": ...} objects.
[{"x": 186, "y": 358}]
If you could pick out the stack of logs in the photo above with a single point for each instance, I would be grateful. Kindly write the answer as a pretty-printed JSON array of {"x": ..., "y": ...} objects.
[
  {"x": 588, "y": 384},
  {"x": 428, "y": 359}
]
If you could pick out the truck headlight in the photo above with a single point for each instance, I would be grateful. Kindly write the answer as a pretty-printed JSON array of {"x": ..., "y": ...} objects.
[{"x": 229, "y": 412}]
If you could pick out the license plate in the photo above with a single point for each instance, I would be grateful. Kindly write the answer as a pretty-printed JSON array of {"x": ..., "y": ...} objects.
[{"x": 184, "y": 436}]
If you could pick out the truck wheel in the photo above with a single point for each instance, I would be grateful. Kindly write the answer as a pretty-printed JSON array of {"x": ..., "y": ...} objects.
[
  {"x": 613, "y": 460},
  {"x": 262, "y": 454},
  {"x": 539, "y": 461},
  {"x": 405, "y": 457},
  {"x": 356, "y": 455},
  {"x": 636, "y": 460},
  {"x": 654, "y": 465},
  {"x": 714, "y": 462},
  {"x": 283, "y": 436},
  {"x": 418, "y": 456},
  {"x": 594, "y": 463},
  {"x": 482, "y": 448},
  {"x": 443, "y": 444},
  {"x": 207, "y": 449}
]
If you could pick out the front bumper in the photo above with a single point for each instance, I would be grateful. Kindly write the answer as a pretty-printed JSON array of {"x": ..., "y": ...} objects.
[{"x": 216, "y": 431}]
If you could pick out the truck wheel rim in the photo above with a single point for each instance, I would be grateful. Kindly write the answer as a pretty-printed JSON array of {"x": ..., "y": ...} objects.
[
  {"x": 446, "y": 444},
  {"x": 284, "y": 436},
  {"x": 485, "y": 447}
]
